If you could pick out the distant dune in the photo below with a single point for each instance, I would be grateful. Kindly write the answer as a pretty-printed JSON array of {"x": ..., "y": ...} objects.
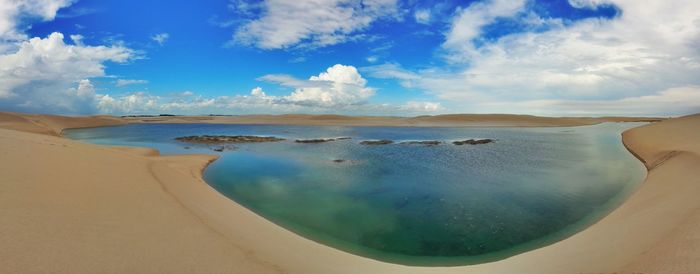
[
  {"x": 53, "y": 124},
  {"x": 450, "y": 120},
  {"x": 71, "y": 207}
]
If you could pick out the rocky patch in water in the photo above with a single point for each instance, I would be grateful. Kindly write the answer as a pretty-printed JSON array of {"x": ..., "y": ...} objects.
[
  {"x": 221, "y": 139},
  {"x": 223, "y": 148},
  {"x": 473, "y": 142},
  {"x": 320, "y": 140},
  {"x": 376, "y": 142},
  {"x": 425, "y": 143}
]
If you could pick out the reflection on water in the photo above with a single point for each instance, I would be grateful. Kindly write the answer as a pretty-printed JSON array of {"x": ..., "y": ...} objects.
[{"x": 414, "y": 204}]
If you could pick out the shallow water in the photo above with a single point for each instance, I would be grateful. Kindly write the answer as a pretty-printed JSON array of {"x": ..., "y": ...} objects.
[{"x": 414, "y": 204}]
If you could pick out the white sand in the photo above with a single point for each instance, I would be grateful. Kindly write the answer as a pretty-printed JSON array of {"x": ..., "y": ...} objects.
[{"x": 70, "y": 207}]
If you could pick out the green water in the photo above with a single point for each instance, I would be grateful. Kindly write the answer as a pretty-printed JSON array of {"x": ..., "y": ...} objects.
[{"x": 414, "y": 204}]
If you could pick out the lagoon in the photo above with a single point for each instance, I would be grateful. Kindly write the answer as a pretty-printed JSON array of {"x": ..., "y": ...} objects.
[{"x": 410, "y": 203}]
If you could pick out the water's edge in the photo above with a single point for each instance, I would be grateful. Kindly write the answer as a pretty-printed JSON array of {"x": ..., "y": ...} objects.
[{"x": 559, "y": 236}]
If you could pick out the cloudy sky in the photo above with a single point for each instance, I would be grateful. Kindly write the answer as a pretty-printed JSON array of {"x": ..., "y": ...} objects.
[{"x": 371, "y": 57}]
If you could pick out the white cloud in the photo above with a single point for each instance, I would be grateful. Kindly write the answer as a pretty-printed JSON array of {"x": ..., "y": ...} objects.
[
  {"x": 314, "y": 23},
  {"x": 289, "y": 81},
  {"x": 591, "y": 4},
  {"x": 422, "y": 16},
  {"x": 47, "y": 75},
  {"x": 160, "y": 38},
  {"x": 77, "y": 39},
  {"x": 42, "y": 73},
  {"x": 340, "y": 89},
  {"x": 258, "y": 92},
  {"x": 393, "y": 71},
  {"x": 85, "y": 89},
  {"x": 139, "y": 102},
  {"x": 416, "y": 106},
  {"x": 256, "y": 102},
  {"x": 651, "y": 47},
  {"x": 338, "y": 85},
  {"x": 670, "y": 102},
  {"x": 468, "y": 22},
  {"x": 13, "y": 11},
  {"x": 126, "y": 82}
]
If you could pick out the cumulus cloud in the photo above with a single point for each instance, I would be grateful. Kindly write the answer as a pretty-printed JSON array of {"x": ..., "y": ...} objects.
[
  {"x": 160, "y": 38},
  {"x": 43, "y": 72},
  {"x": 338, "y": 85},
  {"x": 139, "y": 102},
  {"x": 649, "y": 49},
  {"x": 314, "y": 23},
  {"x": 50, "y": 76},
  {"x": 12, "y": 12},
  {"x": 339, "y": 89},
  {"x": 126, "y": 82},
  {"x": 257, "y": 92}
]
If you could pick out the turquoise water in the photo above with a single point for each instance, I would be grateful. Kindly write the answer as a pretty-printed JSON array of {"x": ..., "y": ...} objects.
[{"x": 414, "y": 204}]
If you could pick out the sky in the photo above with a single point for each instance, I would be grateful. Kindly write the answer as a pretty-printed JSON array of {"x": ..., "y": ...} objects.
[{"x": 371, "y": 57}]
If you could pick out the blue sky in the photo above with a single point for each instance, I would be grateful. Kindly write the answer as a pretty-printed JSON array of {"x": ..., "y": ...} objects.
[{"x": 378, "y": 57}]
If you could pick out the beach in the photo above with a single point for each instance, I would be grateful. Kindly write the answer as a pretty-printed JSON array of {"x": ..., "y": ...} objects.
[{"x": 71, "y": 207}]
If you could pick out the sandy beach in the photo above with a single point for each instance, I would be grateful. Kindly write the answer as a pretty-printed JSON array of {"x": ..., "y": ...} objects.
[{"x": 71, "y": 207}]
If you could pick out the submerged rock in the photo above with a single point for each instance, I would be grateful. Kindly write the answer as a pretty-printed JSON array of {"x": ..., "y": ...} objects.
[
  {"x": 320, "y": 140},
  {"x": 218, "y": 139},
  {"x": 426, "y": 143},
  {"x": 376, "y": 142},
  {"x": 473, "y": 142},
  {"x": 222, "y": 148}
]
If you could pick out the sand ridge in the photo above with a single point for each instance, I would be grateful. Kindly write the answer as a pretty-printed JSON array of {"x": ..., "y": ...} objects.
[
  {"x": 71, "y": 207},
  {"x": 447, "y": 120}
]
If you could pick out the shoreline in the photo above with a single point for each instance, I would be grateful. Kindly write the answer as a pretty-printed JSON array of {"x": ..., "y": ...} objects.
[
  {"x": 447, "y": 120},
  {"x": 282, "y": 251},
  {"x": 480, "y": 259}
]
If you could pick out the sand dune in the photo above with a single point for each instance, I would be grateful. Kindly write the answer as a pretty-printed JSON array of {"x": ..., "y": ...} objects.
[
  {"x": 53, "y": 124},
  {"x": 450, "y": 120},
  {"x": 70, "y": 207}
]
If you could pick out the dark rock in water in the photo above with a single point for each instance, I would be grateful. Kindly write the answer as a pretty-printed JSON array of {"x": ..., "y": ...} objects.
[
  {"x": 219, "y": 139},
  {"x": 339, "y": 160},
  {"x": 473, "y": 142},
  {"x": 222, "y": 148},
  {"x": 376, "y": 142},
  {"x": 321, "y": 140},
  {"x": 426, "y": 143},
  {"x": 187, "y": 147}
]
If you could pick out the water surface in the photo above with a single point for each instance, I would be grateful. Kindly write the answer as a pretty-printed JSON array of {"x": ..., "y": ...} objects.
[{"x": 413, "y": 204}]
